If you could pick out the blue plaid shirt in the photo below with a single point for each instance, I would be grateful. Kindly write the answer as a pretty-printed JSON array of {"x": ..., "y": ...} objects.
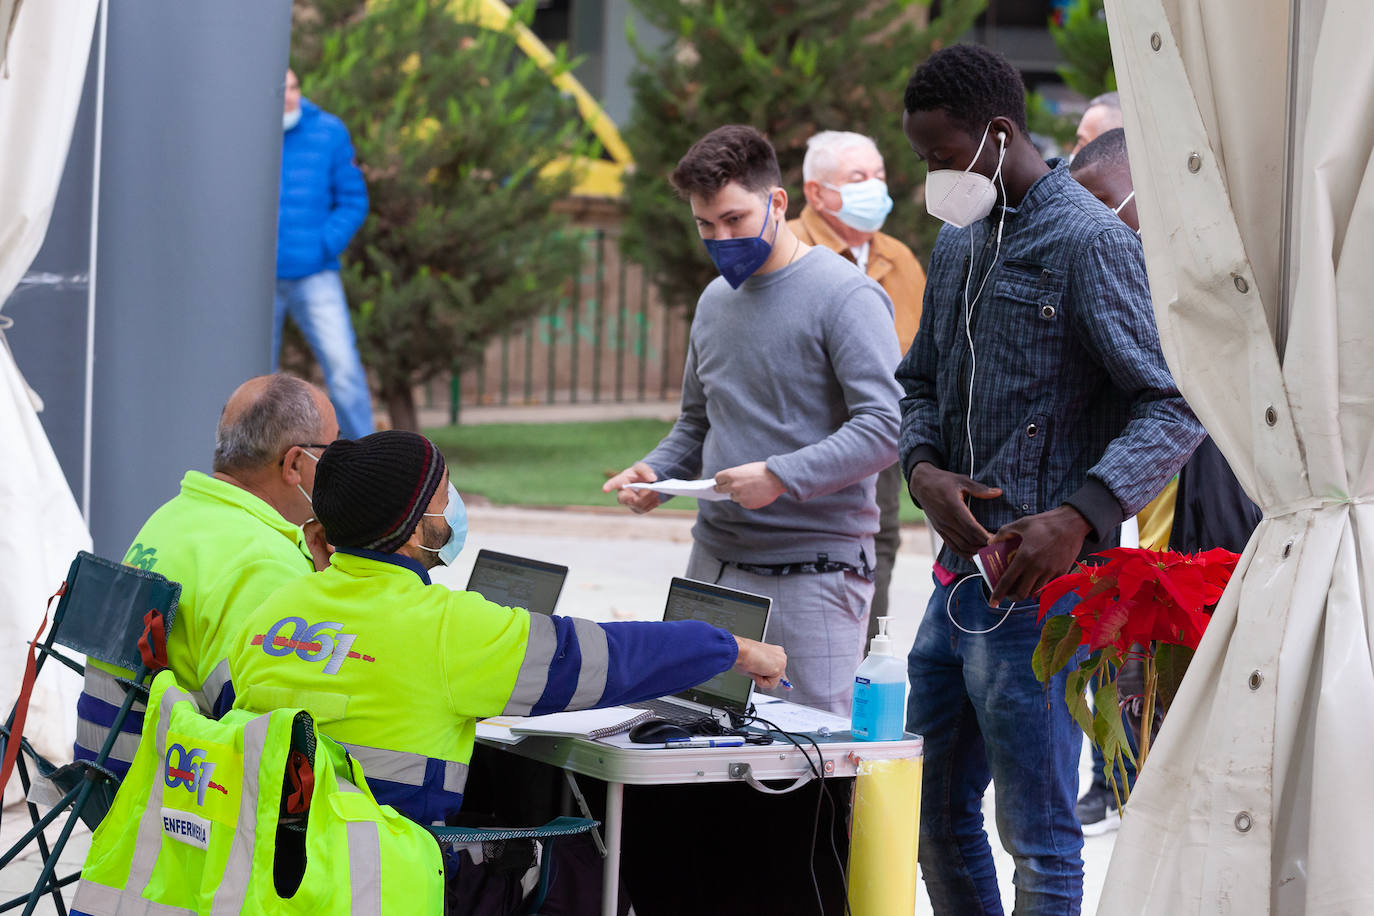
[{"x": 1072, "y": 402}]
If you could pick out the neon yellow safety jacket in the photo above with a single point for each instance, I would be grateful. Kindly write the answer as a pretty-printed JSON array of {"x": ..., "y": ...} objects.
[
  {"x": 229, "y": 550},
  {"x": 399, "y": 670},
  {"x": 194, "y": 826}
]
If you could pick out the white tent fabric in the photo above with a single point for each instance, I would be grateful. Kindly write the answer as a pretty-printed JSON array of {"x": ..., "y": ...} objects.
[
  {"x": 42, "y": 527},
  {"x": 1256, "y": 798}
]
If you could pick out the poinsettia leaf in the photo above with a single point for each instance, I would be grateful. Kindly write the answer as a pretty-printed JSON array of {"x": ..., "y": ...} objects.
[
  {"x": 1075, "y": 695},
  {"x": 1140, "y": 624},
  {"x": 1107, "y": 629},
  {"x": 1133, "y": 575},
  {"x": 1068, "y": 643},
  {"x": 1056, "y": 589},
  {"x": 1108, "y": 731},
  {"x": 1171, "y": 663},
  {"x": 1042, "y": 659}
]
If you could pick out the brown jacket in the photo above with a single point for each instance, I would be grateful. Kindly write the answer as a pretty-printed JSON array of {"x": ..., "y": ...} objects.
[{"x": 890, "y": 263}]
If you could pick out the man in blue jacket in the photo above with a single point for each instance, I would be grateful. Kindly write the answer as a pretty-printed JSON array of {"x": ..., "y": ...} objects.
[{"x": 323, "y": 202}]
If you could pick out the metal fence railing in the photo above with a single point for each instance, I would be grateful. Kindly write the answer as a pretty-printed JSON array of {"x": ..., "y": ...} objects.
[{"x": 610, "y": 339}]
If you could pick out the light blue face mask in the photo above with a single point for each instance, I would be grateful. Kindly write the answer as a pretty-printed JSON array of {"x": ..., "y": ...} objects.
[
  {"x": 863, "y": 204},
  {"x": 456, "y": 514}
]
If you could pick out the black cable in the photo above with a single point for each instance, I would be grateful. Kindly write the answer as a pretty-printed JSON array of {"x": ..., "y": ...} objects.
[{"x": 823, "y": 791}]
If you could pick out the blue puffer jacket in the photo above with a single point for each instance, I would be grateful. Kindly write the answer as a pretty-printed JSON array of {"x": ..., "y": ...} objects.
[{"x": 323, "y": 196}]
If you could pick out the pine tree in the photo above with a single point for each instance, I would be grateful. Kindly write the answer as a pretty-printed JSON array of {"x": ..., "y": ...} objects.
[
  {"x": 455, "y": 131},
  {"x": 790, "y": 68},
  {"x": 1087, "y": 51}
]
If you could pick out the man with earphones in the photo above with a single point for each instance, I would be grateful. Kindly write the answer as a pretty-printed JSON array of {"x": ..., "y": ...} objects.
[{"x": 1038, "y": 414}]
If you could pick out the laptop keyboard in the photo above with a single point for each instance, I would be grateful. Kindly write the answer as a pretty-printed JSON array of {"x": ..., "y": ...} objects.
[{"x": 678, "y": 715}]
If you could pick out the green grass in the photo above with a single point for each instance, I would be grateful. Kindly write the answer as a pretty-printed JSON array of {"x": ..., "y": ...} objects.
[{"x": 554, "y": 464}]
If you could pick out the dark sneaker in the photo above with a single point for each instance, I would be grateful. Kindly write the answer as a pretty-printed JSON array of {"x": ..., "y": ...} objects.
[{"x": 1097, "y": 811}]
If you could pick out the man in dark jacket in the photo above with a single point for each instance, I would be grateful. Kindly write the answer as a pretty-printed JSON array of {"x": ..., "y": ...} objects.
[{"x": 323, "y": 202}]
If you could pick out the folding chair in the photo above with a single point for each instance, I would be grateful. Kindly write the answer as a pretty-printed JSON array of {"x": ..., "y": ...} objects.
[
  {"x": 451, "y": 839},
  {"x": 112, "y": 613}
]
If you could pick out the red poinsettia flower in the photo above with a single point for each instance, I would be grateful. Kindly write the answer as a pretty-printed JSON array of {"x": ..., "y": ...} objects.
[{"x": 1137, "y": 597}]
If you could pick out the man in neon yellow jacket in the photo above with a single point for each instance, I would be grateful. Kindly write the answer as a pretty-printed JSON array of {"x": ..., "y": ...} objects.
[
  {"x": 230, "y": 539},
  {"x": 398, "y": 669}
]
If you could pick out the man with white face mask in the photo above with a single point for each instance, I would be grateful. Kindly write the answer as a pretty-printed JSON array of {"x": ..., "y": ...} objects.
[
  {"x": 845, "y": 185},
  {"x": 229, "y": 538},
  {"x": 1038, "y": 414}
]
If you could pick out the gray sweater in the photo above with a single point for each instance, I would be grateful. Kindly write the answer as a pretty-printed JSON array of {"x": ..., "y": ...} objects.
[{"x": 795, "y": 368}]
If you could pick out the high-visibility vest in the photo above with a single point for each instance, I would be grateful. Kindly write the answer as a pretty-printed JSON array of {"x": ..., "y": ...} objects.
[{"x": 194, "y": 826}]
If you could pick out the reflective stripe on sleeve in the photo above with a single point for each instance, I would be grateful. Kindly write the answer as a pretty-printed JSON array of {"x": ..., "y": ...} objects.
[
  {"x": 214, "y": 683},
  {"x": 591, "y": 679},
  {"x": 534, "y": 670},
  {"x": 105, "y": 687},
  {"x": 455, "y": 776},
  {"x": 92, "y": 737},
  {"x": 393, "y": 766},
  {"x": 102, "y": 900}
]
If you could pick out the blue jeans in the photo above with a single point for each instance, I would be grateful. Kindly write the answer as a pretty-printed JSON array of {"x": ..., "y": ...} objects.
[
  {"x": 985, "y": 718},
  {"x": 317, "y": 304}
]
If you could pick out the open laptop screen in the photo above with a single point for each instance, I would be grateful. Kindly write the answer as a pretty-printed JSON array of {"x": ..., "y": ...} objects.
[
  {"x": 517, "y": 581},
  {"x": 741, "y": 613}
]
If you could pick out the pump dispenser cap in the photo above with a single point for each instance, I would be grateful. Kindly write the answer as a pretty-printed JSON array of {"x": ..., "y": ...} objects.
[{"x": 881, "y": 644}]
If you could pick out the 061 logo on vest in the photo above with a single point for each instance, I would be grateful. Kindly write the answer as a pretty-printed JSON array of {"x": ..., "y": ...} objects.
[
  {"x": 192, "y": 770},
  {"x": 310, "y": 642}
]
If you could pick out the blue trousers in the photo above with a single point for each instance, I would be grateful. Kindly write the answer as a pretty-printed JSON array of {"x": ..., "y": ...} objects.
[
  {"x": 317, "y": 304},
  {"x": 986, "y": 718}
]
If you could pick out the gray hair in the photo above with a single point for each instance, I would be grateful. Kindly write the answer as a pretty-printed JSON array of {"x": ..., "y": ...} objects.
[
  {"x": 1107, "y": 99},
  {"x": 823, "y": 151},
  {"x": 284, "y": 414}
]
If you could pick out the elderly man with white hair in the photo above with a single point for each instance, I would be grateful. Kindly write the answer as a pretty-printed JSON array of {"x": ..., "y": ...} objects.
[
  {"x": 845, "y": 185},
  {"x": 1103, "y": 114}
]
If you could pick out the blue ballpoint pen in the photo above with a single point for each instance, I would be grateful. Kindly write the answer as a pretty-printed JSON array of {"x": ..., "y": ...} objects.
[
  {"x": 787, "y": 685},
  {"x": 727, "y": 741}
]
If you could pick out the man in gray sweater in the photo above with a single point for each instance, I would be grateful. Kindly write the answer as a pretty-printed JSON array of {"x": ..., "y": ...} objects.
[{"x": 789, "y": 403}]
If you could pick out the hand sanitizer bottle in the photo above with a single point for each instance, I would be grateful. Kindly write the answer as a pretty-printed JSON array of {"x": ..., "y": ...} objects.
[{"x": 879, "y": 710}]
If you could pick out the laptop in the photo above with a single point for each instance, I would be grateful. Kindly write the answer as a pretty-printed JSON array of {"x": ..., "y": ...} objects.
[
  {"x": 741, "y": 613},
  {"x": 517, "y": 581}
]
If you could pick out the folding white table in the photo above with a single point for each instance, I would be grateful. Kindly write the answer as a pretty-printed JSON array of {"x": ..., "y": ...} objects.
[{"x": 657, "y": 766}]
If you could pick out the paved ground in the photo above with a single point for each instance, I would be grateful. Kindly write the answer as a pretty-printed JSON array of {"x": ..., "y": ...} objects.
[{"x": 619, "y": 570}]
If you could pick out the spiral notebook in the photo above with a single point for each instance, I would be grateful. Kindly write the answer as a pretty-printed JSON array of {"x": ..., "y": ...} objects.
[{"x": 584, "y": 723}]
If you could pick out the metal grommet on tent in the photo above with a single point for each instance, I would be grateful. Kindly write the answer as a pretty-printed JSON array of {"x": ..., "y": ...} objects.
[
  {"x": 1256, "y": 678},
  {"x": 1156, "y": 42},
  {"x": 1194, "y": 162},
  {"x": 1271, "y": 416},
  {"x": 1244, "y": 822},
  {"x": 1241, "y": 285}
]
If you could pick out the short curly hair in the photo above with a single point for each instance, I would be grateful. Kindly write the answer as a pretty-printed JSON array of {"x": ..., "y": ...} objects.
[
  {"x": 972, "y": 84},
  {"x": 735, "y": 152}
]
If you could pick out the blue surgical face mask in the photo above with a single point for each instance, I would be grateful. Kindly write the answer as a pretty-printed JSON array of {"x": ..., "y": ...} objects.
[
  {"x": 863, "y": 204},
  {"x": 456, "y": 514},
  {"x": 290, "y": 119},
  {"x": 738, "y": 259}
]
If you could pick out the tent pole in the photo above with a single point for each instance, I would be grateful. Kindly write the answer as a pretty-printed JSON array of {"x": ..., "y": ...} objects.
[
  {"x": 1290, "y": 158},
  {"x": 86, "y": 438}
]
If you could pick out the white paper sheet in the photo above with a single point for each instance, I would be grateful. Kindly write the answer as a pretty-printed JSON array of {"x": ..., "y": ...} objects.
[
  {"x": 696, "y": 489},
  {"x": 793, "y": 718}
]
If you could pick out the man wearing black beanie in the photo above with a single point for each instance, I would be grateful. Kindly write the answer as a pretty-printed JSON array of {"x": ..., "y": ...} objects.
[{"x": 398, "y": 670}]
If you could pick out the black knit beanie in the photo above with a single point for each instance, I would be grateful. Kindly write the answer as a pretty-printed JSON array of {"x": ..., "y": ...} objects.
[{"x": 371, "y": 492}]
